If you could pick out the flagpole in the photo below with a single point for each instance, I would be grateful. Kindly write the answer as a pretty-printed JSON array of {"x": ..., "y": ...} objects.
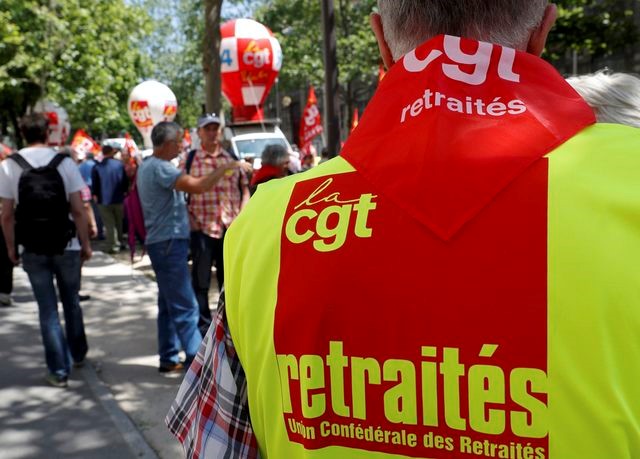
[{"x": 332, "y": 118}]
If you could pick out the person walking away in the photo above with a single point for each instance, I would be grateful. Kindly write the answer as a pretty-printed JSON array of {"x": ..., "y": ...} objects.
[
  {"x": 6, "y": 265},
  {"x": 39, "y": 188},
  {"x": 160, "y": 187},
  {"x": 86, "y": 165},
  {"x": 212, "y": 212},
  {"x": 6, "y": 271},
  {"x": 109, "y": 186},
  {"x": 485, "y": 305}
]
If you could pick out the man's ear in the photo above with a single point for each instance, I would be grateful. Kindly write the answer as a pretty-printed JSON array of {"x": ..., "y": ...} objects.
[
  {"x": 538, "y": 37},
  {"x": 385, "y": 52}
]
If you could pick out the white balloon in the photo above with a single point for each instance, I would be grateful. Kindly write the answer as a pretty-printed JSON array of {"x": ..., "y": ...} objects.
[
  {"x": 150, "y": 103},
  {"x": 59, "y": 126}
]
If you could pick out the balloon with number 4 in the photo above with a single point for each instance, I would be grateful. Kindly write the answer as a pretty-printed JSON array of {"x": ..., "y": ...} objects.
[
  {"x": 251, "y": 58},
  {"x": 150, "y": 103}
]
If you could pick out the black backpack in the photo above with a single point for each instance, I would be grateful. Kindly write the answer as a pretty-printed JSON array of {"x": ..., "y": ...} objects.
[{"x": 42, "y": 214}]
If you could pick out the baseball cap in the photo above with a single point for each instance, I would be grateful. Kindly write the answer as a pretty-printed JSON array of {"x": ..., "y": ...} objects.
[{"x": 208, "y": 118}]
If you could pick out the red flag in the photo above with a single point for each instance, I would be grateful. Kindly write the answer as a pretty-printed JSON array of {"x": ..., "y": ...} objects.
[
  {"x": 354, "y": 120},
  {"x": 186, "y": 139},
  {"x": 130, "y": 145},
  {"x": 83, "y": 143},
  {"x": 381, "y": 73},
  {"x": 311, "y": 122}
]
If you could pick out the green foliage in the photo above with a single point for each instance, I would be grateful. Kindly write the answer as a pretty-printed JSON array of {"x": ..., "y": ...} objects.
[
  {"x": 82, "y": 55},
  {"x": 297, "y": 25},
  {"x": 174, "y": 47},
  {"x": 593, "y": 27}
]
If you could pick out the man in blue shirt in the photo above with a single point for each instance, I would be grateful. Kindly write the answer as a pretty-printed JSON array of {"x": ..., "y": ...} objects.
[
  {"x": 161, "y": 186},
  {"x": 109, "y": 185},
  {"x": 86, "y": 169}
]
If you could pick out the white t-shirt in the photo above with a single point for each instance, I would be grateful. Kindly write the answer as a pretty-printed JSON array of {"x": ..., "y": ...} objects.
[{"x": 10, "y": 173}]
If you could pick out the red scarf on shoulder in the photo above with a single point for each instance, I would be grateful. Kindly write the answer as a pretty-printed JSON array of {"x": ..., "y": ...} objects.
[{"x": 460, "y": 119}]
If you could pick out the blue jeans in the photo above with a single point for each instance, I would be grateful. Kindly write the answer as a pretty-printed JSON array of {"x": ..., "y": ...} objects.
[
  {"x": 41, "y": 270},
  {"x": 177, "y": 305}
]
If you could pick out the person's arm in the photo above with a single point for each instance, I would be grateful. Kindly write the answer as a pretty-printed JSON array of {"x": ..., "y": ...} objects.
[
  {"x": 82, "y": 227},
  {"x": 93, "y": 227},
  {"x": 244, "y": 186},
  {"x": 207, "y": 385},
  {"x": 8, "y": 228},
  {"x": 198, "y": 185}
]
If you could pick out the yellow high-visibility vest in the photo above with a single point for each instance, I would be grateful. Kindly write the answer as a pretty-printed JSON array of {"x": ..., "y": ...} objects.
[{"x": 364, "y": 335}]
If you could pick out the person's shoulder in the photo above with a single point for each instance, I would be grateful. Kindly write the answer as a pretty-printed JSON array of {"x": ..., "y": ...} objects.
[
  {"x": 275, "y": 194},
  {"x": 334, "y": 166},
  {"x": 605, "y": 140},
  {"x": 37, "y": 156},
  {"x": 602, "y": 158}
]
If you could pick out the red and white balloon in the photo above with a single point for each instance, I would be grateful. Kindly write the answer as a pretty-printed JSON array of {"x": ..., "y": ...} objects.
[
  {"x": 150, "y": 103},
  {"x": 59, "y": 126},
  {"x": 251, "y": 58}
]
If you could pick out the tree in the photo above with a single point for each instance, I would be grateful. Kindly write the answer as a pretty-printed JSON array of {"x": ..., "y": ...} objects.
[
  {"x": 593, "y": 29},
  {"x": 297, "y": 26},
  {"x": 175, "y": 47},
  {"x": 83, "y": 56},
  {"x": 211, "y": 55}
]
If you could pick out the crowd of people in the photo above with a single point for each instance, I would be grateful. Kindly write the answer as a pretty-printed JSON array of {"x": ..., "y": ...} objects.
[
  {"x": 505, "y": 321},
  {"x": 188, "y": 197}
]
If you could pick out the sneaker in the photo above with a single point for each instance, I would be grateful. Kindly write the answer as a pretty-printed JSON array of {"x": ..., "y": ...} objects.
[
  {"x": 57, "y": 381},
  {"x": 79, "y": 364},
  {"x": 170, "y": 367},
  {"x": 84, "y": 297},
  {"x": 5, "y": 299}
]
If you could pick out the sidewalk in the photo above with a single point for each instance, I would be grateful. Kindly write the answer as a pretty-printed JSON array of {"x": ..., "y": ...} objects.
[{"x": 120, "y": 384}]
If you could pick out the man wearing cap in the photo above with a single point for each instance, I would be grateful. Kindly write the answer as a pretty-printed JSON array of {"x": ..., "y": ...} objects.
[
  {"x": 109, "y": 185},
  {"x": 212, "y": 212}
]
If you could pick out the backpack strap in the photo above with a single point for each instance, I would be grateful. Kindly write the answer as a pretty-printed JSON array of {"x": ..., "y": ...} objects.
[
  {"x": 57, "y": 159},
  {"x": 189, "y": 162},
  {"x": 23, "y": 163},
  {"x": 187, "y": 168}
]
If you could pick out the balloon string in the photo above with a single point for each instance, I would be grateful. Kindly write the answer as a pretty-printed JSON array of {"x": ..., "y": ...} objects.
[{"x": 261, "y": 118}]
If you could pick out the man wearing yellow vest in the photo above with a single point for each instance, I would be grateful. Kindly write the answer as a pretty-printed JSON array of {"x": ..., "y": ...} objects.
[{"x": 508, "y": 321}]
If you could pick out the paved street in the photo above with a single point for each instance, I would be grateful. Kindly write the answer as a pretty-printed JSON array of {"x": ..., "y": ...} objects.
[{"x": 115, "y": 406}]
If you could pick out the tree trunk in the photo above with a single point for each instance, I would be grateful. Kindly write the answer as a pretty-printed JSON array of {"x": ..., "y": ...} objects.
[{"x": 211, "y": 55}]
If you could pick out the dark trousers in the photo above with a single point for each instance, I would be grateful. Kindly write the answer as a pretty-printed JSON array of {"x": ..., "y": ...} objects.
[
  {"x": 6, "y": 268},
  {"x": 205, "y": 251}
]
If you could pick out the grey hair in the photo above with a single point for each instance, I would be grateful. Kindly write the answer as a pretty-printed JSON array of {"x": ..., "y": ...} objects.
[
  {"x": 274, "y": 155},
  {"x": 165, "y": 131},
  {"x": 615, "y": 97},
  {"x": 407, "y": 23}
]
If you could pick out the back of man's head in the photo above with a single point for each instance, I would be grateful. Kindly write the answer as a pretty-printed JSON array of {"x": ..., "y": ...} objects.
[
  {"x": 108, "y": 150},
  {"x": 165, "y": 131},
  {"x": 275, "y": 155},
  {"x": 34, "y": 128},
  {"x": 408, "y": 23}
]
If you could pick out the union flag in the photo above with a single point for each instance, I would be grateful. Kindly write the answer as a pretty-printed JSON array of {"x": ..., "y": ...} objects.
[
  {"x": 311, "y": 122},
  {"x": 83, "y": 143}
]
